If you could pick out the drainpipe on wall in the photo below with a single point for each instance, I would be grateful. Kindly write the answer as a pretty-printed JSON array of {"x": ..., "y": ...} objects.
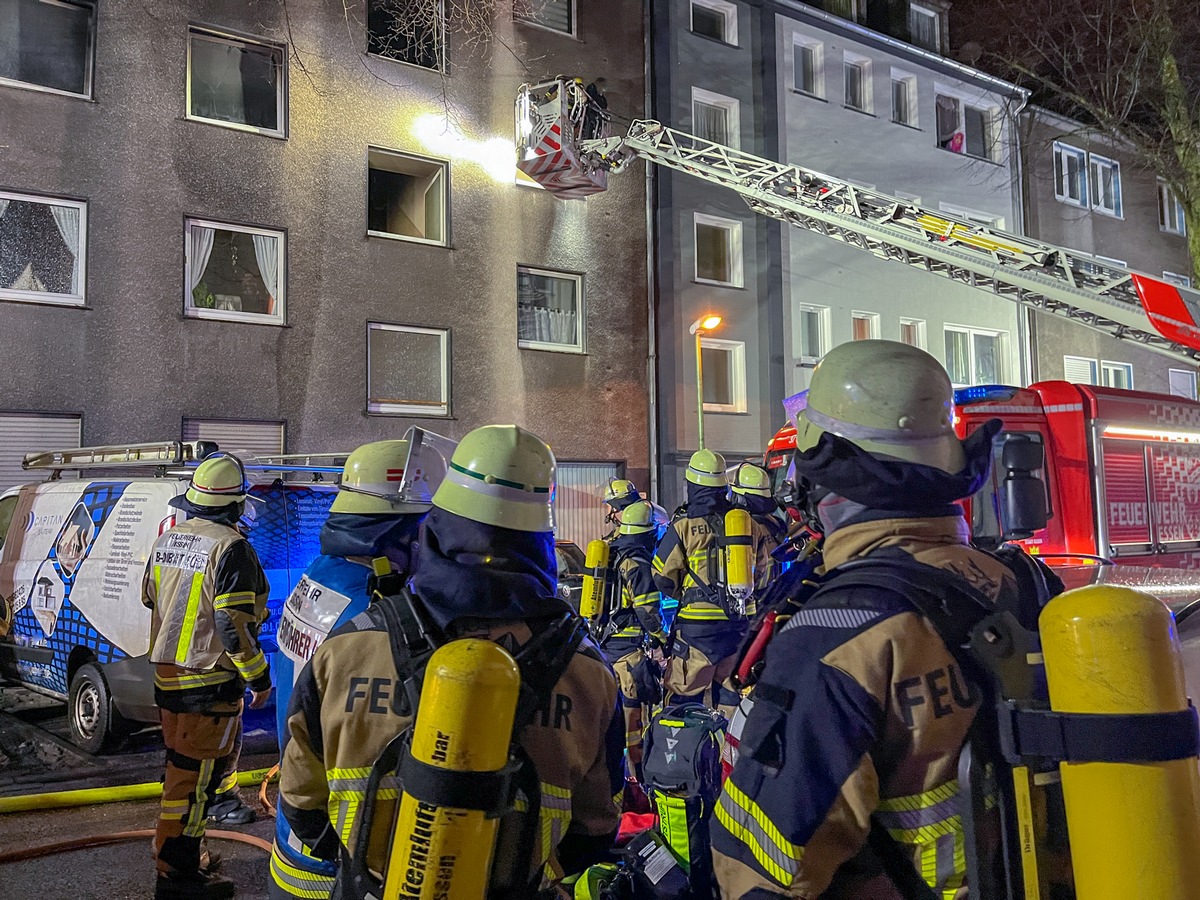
[
  {"x": 1028, "y": 357},
  {"x": 651, "y": 273}
]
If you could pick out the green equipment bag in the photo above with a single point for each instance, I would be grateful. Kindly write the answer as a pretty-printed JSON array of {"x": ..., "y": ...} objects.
[{"x": 682, "y": 766}]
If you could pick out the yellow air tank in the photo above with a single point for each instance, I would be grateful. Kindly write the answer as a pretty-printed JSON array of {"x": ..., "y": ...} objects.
[
  {"x": 739, "y": 557},
  {"x": 1134, "y": 827},
  {"x": 464, "y": 724},
  {"x": 595, "y": 581}
]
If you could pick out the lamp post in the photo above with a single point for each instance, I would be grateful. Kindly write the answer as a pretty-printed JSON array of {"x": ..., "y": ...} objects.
[{"x": 700, "y": 327}]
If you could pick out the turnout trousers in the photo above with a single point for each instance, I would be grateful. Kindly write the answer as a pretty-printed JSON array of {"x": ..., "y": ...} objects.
[
  {"x": 202, "y": 756},
  {"x": 703, "y": 656}
]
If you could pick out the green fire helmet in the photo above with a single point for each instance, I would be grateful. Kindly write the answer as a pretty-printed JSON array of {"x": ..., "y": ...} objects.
[
  {"x": 706, "y": 468},
  {"x": 373, "y": 481},
  {"x": 218, "y": 481},
  {"x": 751, "y": 479},
  {"x": 638, "y": 518},
  {"x": 501, "y": 475},
  {"x": 890, "y": 399},
  {"x": 620, "y": 493}
]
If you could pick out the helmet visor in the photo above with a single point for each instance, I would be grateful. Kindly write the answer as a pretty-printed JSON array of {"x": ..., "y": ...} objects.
[{"x": 428, "y": 461}]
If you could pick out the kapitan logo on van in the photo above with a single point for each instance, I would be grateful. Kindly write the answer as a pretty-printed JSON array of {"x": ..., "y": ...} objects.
[{"x": 46, "y": 520}]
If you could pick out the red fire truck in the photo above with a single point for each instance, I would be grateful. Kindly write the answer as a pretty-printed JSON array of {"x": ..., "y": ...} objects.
[{"x": 1122, "y": 469}]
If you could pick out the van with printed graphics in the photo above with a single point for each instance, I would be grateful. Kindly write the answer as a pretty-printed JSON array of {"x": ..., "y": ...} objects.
[{"x": 72, "y": 556}]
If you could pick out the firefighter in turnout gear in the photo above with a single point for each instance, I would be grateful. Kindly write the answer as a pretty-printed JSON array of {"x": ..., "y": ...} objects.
[
  {"x": 485, "y": 567},
  {"x": 751, "y": 490},
  {"x": 634, "y": 622},
  {"x": 207, "y": 595},
  {"x": 689, "y": 566},
  {"x": 845, "y": 782},
  {"x": 377, "y": 512}
]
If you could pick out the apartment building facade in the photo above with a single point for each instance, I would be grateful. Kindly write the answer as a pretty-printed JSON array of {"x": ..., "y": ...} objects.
[
  {"x": 1085, "y": 191},
  {"x": 299, "y": 228},
  {"x": 795, "y": 83}
]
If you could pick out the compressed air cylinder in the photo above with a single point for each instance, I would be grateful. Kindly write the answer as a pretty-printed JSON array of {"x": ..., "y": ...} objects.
[
  {"x": 595, "y": 580},
  {"x": 1134, "y": 827},
  {"x": 464, "y": 724},
  {"x": 739, "y": 557}
]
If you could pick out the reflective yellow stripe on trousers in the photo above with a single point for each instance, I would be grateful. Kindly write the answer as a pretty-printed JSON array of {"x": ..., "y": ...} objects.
[
  {"x": 298, "y": 882},
  {"x": 931, "y": 823}
]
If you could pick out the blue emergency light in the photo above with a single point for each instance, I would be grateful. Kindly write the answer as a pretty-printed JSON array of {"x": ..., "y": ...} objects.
[{"x": 982, "y": 392}]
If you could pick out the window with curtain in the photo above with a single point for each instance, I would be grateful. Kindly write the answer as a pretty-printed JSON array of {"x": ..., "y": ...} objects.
[
  {"x": 557, "y": 15},
  {"x": 1105, "y": 183},
  {"x": 714, "y": 117},
  {"x": 42, "y": 249},
  {"x": 1070, "y": 174},
  {"x": 234, "y": 272},
  {"x": 236, "y": 82},
  {"x": 856, "y": 85},
  {"x": 48, "y": 45},
  {"x": 924, "y": 28},
  {"x": 974, "y": 356},
  {"x": 550, "y": 312},
  {"x": 912, "y": 332},
  {"x": 408, "y": 370},
  {"x": 407, "y": 32},
  {"x": 847, "y": 9},
  {"x": 864, "y": 326},
  {"x": 1170, "y": 211},
  {"x": 949, "y": 123}
]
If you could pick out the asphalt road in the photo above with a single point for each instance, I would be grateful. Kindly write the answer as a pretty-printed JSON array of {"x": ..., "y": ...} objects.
[{"x": 37, "y": 756}]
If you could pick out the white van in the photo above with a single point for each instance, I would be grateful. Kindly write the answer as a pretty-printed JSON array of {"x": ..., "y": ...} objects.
[{"x": 72, "y": 554}]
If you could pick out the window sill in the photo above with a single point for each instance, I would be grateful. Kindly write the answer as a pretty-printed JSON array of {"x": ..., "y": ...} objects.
[
  {"x": 723, "y": 284},
  {"x": 568, "y": 349},
  {"x": 1069, "y": 202},
  {"x": 26, "y": 86},
  {"x": 540, "y": 27},
  {"x": 235, "y": 318},
  {"x": 442, "y": 70},
  {"x": 1101, "y": 211},
  {"x": 965, "y": 155},
  {"x": 1179, "y": 234},
  {"x": 907, "y": 125},
  {"x": 407, "y": 413},
  {"x": 861, "y": 112},
  {"x": 43, "y": 300},
  {"x": 708, "y": 411},
  {"x": 712, "y": 40},
  {"x": 238, "y": 126},
  {"x": 809, "y": 95},
  {"x": 388, "y": 236}
]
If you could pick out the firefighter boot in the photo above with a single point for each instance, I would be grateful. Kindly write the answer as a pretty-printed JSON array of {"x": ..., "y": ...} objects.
[
  {"x": 227, "y": 809},
  {"x": 193, "y": 886}
]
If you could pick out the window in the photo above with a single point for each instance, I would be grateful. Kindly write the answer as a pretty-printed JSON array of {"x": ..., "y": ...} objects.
[
  {"x": 723, "y": 367},
  {"x": 904, "y": 99},
  {"x": 972, "y": 216},
  {"x": 236, "y": 83},
  {"x": 43, "y": 249},
  {"x": 1116, "y": 375},
  {"x": 557, "y": 15},
  {"x": 914, "y": 199},
  {"x": 813, "y": 341},
  {"x": 1105, "y": 181},
  {"x": 1182, "y": 383},
  {"x": 550, "y": 312},
  {"x": 22, "y": 433},
  {"x": 715, "y": 117},
  {"x": 260, "y": 438},
  {"x": 858, "y": 82},
  {"x": 1170, "y": 210},
  {"x": 234, "y": 272},
  {"x": 1183, "y": 281},
  {"x": 48, "y": 44},
  {"x": 864, "y": 326},
  {"x": 808, "y": 60},
  {"x": 1081, "y": 370},
  {"x": 847, "y": 9},
  {"x": 974, "y": 356},
  {"x": 1070, "y": 174},
  {"x": 408, "y": 32},
  {"x": 912, "y": 332},
  {"x": 962, "y": 128},
  {"x": 408, "y": 370},
  {"x": 715, "y": 19},
  {"x": 406, "y": 197},
  {"x": 925, "y": 27},
  {"x": 718, "y": 250}
]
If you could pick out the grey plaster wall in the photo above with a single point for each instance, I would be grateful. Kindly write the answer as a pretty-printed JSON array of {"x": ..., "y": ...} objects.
[
  {"x": 134, "y": 365},
  {"x": 1134, "y": 238}
]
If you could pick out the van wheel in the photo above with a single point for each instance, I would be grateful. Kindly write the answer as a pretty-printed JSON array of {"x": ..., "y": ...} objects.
[{"x": 95, "y": 725}]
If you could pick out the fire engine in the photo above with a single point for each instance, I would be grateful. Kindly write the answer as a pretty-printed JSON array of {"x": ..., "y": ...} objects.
[{"x": 1121, "y": 470}]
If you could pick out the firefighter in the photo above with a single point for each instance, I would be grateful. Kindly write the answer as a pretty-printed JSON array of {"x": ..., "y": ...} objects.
[
  {"x": 485, "y": 567},
  {"x": 618, "y": 494},
  {"x": 688, "y": 566},
  {"x": 860, "y": 712},
  {"x": 370, "y": 517},
  {"x": 751, "y": 490},
  {"x": 635, "y": 624},
  {"x": 207, "y": 595}
]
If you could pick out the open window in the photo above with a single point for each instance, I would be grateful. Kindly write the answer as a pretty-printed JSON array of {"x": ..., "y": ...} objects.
[{"x": 406, "y": 197}]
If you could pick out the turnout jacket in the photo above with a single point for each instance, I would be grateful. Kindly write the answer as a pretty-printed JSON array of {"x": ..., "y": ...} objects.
[
  {"x": 681, "y": 566},
  {"x": 347, "y": 705},
  {"x": 207, "y": 594},
  {"x": 639, "y": 611},
  {"x": 863, "y": 714}
]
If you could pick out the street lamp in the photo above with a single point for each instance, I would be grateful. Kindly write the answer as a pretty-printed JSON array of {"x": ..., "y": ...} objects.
[{"x": 700, "y": 327}]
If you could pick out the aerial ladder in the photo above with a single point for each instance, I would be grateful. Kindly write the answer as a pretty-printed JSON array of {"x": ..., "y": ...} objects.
[{"x": 563, "y": 144}]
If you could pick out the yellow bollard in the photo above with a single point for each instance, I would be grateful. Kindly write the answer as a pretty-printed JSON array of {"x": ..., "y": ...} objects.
[
  {"x": 739, "y": 557},
  {"x": 1134, "y": 827},
  {"x": 595, "y": 580},
  {"x": 464, "y": 724}
]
